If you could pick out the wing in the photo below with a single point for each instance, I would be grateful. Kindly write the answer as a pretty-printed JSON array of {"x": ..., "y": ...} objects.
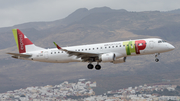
[
  {"x": 85, "y": 56},
  {"x": 16, "y": 55}
]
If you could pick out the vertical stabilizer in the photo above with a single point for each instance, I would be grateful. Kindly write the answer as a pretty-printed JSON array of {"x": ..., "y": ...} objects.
[{"x": 23, "y": 43}]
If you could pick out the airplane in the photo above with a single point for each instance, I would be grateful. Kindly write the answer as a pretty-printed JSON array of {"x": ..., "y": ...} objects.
[{"x": 114, "y": 52}]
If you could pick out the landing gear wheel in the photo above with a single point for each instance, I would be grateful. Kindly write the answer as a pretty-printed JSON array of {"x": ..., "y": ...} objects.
[
  {"x": 90, "y": 66},
  {"x": 98, "y": 67},
  {"x": 157, "y": 60},
  {"x": 156, "y": 56}
]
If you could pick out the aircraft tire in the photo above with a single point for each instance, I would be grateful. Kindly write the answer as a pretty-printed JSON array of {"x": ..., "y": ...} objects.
[
  {"x": 90, "y": 66},
  {"x": 157, "y": 60},
  {"x": 98, "y": 67}
]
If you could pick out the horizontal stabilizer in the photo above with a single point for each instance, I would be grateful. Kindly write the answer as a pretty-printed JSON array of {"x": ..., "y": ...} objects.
[{"x": 21, "y": 55}]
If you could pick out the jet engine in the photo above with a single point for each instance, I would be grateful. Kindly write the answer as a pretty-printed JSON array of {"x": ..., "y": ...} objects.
[
  {"x": 108, "y": 57},
  {"x": 120, "y": 60}
]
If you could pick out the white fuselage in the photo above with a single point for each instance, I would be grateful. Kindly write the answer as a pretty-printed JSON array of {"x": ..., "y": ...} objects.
[{"x": 120, "y": 48}]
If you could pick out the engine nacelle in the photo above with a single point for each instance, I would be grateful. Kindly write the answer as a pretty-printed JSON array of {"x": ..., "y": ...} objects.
[
  {"x": 108, "y": 57},
  {"x": 120, "y": 60}
]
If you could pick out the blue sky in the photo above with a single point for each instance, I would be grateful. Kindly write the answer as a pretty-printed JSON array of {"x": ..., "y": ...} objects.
[{"x": 14, "y": 12}]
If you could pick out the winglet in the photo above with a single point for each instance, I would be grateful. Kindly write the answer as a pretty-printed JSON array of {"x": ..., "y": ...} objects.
[{"x": 57, "y": 46}]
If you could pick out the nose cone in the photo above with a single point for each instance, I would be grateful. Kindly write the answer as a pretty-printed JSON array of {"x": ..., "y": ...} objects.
[{"x": 171, "y": 47}]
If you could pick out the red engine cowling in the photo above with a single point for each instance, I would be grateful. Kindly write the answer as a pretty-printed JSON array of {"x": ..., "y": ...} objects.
[
  {"x": 120, "y": 60},
  {"x": 108, "y": 57}
]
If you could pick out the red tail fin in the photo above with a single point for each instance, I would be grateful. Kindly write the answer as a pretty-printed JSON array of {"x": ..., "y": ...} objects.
[{"x": 21, "y": 40}]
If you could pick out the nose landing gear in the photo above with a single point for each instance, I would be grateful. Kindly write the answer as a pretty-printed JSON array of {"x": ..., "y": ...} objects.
[
  {"x": 157, "y": 60},
  {"x": 156, "y": 57}
]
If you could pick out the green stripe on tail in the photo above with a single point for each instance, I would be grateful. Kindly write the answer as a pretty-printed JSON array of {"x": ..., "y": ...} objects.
[{"x": 15, "y": 37}]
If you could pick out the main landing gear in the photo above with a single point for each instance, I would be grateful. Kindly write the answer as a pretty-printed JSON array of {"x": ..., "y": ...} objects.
[
  {"x": 156, "y": 56},
  {"x": 90, "y": 66},
  {"x": 97, "y": 67}
]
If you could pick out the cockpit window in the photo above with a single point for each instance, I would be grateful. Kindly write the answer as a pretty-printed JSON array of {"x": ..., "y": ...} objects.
[{"x": 161, "y": 41}]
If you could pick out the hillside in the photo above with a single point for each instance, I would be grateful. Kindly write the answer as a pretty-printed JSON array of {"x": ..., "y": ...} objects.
[{"x": 86, "y": 27}]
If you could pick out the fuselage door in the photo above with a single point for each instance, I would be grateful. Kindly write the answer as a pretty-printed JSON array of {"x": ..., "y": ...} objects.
[
  {"x": 46, "y": 54},
  {"x": 151, "y": 44}
]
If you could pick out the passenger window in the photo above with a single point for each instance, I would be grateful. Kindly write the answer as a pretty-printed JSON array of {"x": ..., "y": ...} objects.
[
  {"x": 82, "y": 49},
  {"x": 51, "y": 52},
  {"x": 97, "y": 48},
  {"x": 89, "y": 48},
  {"x": 101, "y": 47},
  {"x": 109, "y": 47},
  {"x": 112, "y": 46}
]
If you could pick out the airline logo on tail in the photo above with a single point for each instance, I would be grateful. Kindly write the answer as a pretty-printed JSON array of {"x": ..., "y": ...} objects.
[{"x": 21, "y": 40}]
